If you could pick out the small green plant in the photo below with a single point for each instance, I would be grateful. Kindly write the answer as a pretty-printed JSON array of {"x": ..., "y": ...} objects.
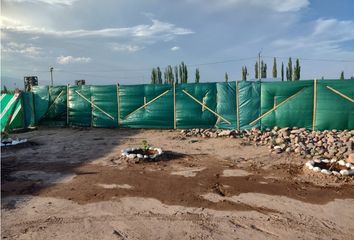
[{"x": 145, "y": 145}]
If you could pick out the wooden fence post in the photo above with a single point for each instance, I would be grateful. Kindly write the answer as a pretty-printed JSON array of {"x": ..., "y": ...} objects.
[
  {"x": 67, "y": 104},
  {"x": 314, "y": 104},
  {"x": 174, "y": 106},
  {"x": 237, "y": 106},
  {"x": 118, "y": 105}
]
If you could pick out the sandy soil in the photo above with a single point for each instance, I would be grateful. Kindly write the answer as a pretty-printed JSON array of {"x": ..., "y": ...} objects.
[{"x": 73, "y": 184}]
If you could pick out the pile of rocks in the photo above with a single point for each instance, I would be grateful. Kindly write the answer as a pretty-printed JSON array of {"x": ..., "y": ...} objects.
[{"x": 332, "y": 144}]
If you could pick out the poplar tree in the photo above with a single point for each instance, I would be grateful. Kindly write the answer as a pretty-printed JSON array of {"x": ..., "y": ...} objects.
[
  {"x": 168, "y": 75},
  {"x": 197, "y": 75},
  {"x": 341, "y": 75},
  {"x": 159, "y": 76},
  {"x": 282, "y": 71},
  {"x": 244, "y": 73},
  {"x": 176, "y": 74},
  {"x": 275, "y": 72},
  {"x": 263, "y": 70},
  {"x": 183, "y": 73},
  {"x": 256, "y": 70},
  {"x": 297, "y": 70},
  {"x": 289, "y": 70},
  {"x": 154, "y": 76},
  {"x": 226, "y": 77}
]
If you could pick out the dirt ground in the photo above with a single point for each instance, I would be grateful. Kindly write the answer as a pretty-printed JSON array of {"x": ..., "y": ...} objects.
[{"x": 73, "y": 184}]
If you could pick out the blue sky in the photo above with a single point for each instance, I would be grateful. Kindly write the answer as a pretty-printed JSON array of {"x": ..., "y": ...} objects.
[{"x": 110, "y": 41}]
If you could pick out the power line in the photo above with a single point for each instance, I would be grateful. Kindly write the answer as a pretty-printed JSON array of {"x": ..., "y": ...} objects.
[
  {"x": 191, "y": 65},
  {"x": 315, "y": 59},
  {"x": 99, "y": 76},
  {"x": 220, "y": 62}
]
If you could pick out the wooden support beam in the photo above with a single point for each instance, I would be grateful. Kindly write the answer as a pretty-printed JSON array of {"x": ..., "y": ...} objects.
[
  {"x": 94, "y": 105},
  {"x": 237, "y": 106},
  {"x": 50, "y": 107},
  {"x": 206, "y": 107},
  {"x": 275, "y": 107},
  {"x": 314, "y": 104},
  {"x": 341, "y": 94},
  {"x": 174, "y": 106},
  {"x": 118, "y": 105},
  {"x": 151, "y": 101}
]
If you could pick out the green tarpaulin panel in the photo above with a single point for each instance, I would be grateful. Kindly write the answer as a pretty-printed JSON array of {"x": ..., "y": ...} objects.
[
  {"x": 226, "y": 104},
  {"x": 79, "y": 101},
  {"x": 11, "y": 112},
  {"x": 249, "y": 103},
  {"x": 333, "y": 108},
  {"x": 105, "y": 108},
  {"x": 28, "y": 108},
  {"x": 41, "y": 101},
  {"x": 50, "y": 105},
  {"x": 201, "y": 105},
  {"x": 158, "y": 113},
  {"x": 190, "y": 113},
  {"x": 57, "y": 103},
  {"x": 295, "y": 100}
]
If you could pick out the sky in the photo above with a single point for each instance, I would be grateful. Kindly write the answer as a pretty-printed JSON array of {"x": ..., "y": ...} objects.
[{"x": 120, "y": 41}]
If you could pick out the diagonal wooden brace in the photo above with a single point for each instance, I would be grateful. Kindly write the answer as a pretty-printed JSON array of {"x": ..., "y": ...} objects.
[
  {"x": 94, "y": 105},
  {"x": 340, "y": 94},
  {"x": 55, "y": 100},
  {"x": 206, "y": 107},
  {"x": 276, "y": 106},
  {"x": 145, "y": 104}
]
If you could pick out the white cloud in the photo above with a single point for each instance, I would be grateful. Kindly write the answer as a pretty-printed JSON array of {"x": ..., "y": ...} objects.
[
  {"x": 325, "y": 33},
  {"x": 158, "y": 30},
  {"x": 50, "y": 2},
  {"x": 324, "y": 40},
  {"x": 275, "y": 5},
  {"x": 126, "y": 47},
  {"x": 70, "y": 59},
  {"x": 175, "y": 48},
  {"x": 27, "y": 50}
]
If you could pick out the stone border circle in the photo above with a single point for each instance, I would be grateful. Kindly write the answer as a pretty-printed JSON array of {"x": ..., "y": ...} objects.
[
  {"x": 126, "y": 153},
  {"x": 345, "y": 172}
]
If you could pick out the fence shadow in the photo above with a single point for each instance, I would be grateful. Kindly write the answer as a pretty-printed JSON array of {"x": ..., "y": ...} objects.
[{"x": 54, "y": 156}]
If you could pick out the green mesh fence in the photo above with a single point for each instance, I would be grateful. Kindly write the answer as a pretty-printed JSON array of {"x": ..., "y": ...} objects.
[
  {"x": 12, "y": 115},
  {"x": 317, "y": 105},
  {"x": 146, "y": 106},
  {"x": 334, "y": 104},
  {"x": 292, "y": 103}
]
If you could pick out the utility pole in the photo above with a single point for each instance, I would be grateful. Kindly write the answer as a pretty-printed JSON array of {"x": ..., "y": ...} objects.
[
  {"x": 259, "y": 64},
  {"x": 51, "y": 75}
]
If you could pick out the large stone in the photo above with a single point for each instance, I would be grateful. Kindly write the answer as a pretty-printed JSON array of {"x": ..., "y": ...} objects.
[
  {"x": 350, "y": 158},
  {"x": 279, "y": 140},
  {"x": 224, "y": 133}
]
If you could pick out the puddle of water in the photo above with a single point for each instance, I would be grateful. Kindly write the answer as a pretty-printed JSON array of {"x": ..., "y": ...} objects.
[
  {"x": 113, "y": 186},
  {"x": 235, "y": 173},
  {"x": 45, "y": 177},
  {"x": 191, "y": 172}
]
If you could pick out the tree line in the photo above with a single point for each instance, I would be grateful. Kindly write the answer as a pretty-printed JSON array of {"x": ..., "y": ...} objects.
[
  {"x": 292, "y": 73},
  {"x": 179, "y": 73}
]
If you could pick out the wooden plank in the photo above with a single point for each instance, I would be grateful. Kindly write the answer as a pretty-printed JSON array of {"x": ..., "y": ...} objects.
[
  {"x": 340, "y": 94},
  {"x": 237, "y": 106},
  {"x": 174, "y": 106},
  {"x": 275, "y": 107},
  {"x": 151, "y": 101},
  {"x": 118, "y": 105},
  {"x": 314, "y": 104},
  {"x": 206, "y": 107},
  {"x": 92, "y": 104}
]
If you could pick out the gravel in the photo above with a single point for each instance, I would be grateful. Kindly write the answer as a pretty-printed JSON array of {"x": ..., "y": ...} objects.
[{"x": 328, "y": 144}]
